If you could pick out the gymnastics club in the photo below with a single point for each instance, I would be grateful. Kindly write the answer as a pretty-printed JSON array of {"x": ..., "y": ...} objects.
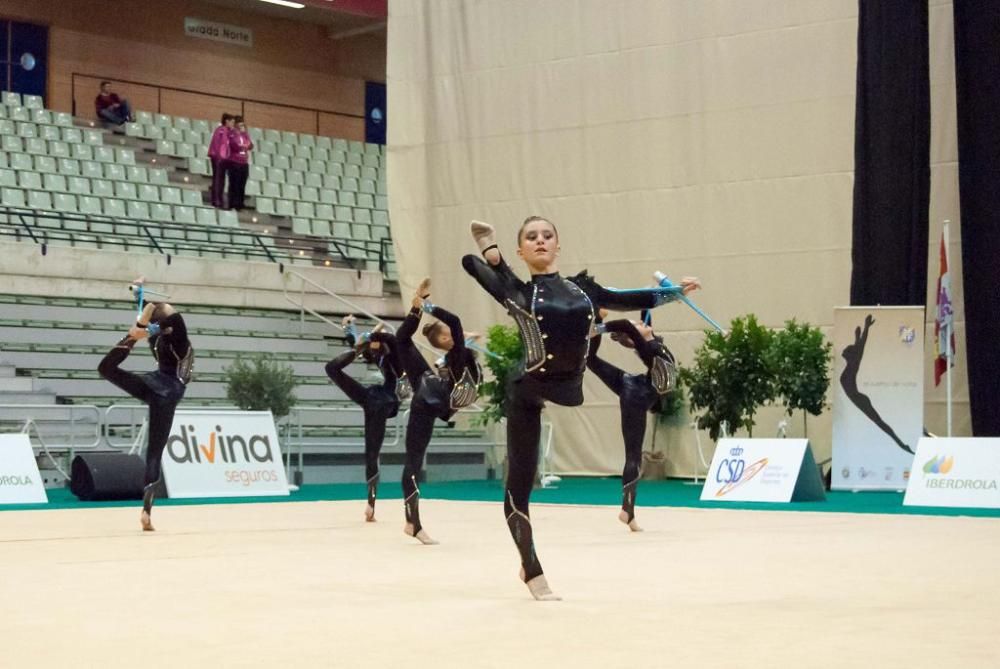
[
  {"x": 142, "y": 291},
  {"x": 664, "y": 282},
  {"x": 469, "y": 343}
]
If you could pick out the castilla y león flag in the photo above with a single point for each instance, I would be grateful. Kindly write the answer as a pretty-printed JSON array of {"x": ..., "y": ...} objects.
[{"x": 944, "y": 320}]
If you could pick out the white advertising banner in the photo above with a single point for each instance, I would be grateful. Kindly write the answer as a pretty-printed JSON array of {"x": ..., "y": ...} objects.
[
  {"x": 223, "y": 454},
  {"x": 20, "y": 482},
  {"x": 878, "y": 395},
  {"x": 763, "y": 470},
  {"x": 218, "y": 32},
  {"x": 962, "y": 472}
]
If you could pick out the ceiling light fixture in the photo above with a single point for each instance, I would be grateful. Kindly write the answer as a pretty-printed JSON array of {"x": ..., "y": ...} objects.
[{"x": 285, "y": 3}]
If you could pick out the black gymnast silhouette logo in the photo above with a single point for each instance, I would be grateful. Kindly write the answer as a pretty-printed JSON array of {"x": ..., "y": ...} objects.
[{"x": 849, "y": 382}]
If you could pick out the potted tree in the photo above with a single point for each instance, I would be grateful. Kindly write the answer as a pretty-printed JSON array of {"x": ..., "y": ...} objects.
[{"x": 800, "y": 358}]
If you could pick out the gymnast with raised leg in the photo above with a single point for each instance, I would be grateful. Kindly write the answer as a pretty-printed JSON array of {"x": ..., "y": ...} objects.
[
  {"x": 637, "y": 393},
  {"x": 436, "y": 394},
  {"x": 161, "y": 389},
  {"x": 555, "y": 317},
  {"x": 379, "y": 401}
]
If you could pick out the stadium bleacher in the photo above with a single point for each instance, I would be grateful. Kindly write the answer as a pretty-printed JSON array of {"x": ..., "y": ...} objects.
[{"x": 316, "y": 200}]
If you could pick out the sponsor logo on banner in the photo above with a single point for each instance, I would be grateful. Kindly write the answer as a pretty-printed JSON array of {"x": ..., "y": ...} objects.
[
  {"x": 964, "y": 475},
  {"x": 761, "y": 470},
  {"x": 223, "y": 454},
  {"x": 218, "y": 32},
  {"x": 20, "y": 482}
]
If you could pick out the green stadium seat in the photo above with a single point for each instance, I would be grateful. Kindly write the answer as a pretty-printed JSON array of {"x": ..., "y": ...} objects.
[
  {"x": 89, "y": 205},
  {"x": 380, "y": 218},
  {"x": 29, "y": 180},
  {"x": 59, "y": 149},
  {"x": 290, "y": 192},
  {"x": 83, "y": 152},
  {"x": 295, "y": 178},
  {"x": 324, "y": 211},
  {"x": 267, "y": 146},
  {"x": 169, "y": 194},
  {"x": 228, "y": 218},
  {"x": 289, "y": 137},
  {"x": 362, "y": 232},
  {"x": 158, "y": 176},
  {"x": 36, "y": 145},
  {"x": 201, "y": 126},
  {"x": 72, "y": 135},
  {"x": 379, "y": 232},
  {"x": 270, "y": 189},
  {"x": 276, "y": 175},
  {"x": 162, "y": 121},
  {"x": 125, "y": 156},
  {"x": 90, "y": 169},
  {"x": 314, "y": 180},
  {"x": 252, "y": 188},
  {"x": 321, "y": 228},
  {"x": 135, "y": 209},
  {"x": 45, "y": 164},
  {"x": 21, "y": 161},
  {"x": 165, "y": 147},
  {"x": 173, "y": 135},
  {"x": 335, "y": 170},
  {"x": 206, "y": 216},
  {"x": 52, "y": 181},
  {"x": 49, "y": 133},
  {"x": 103, "y": 188},
  {"x": 257, "y": 173},
  {"x": 262, "y": 159},
  {"x": 363, "y": 216},
  {"x": 347, "y": 198},
  {"x": 126, "y": 190},
  {"x": 199, "y": 166},
  {"x": 144, "y": 118},
  {"x": 134, "y": 130},
  {"x": 64, "y": 202},
  {"x": 184, "y": 150},
  {"x": 153, "y": 132},
  {"x": 307, "y": 140},
  {"x": 303, "y": 153},
  {"x": 284, "y": 207},
  {"x": 301, "y": 226},
  {"x": 39, "y": 199},
  {"x": 8, "y": 127},
  {"x": 79, "y": 185},
  {"x": 113, "y": 207},
  {"x": 184, "y": 214},
  {"x": 328, "y": 195},
  {"x": 191, "y": 198},
  {"x": 63, "y": 119},
  {"x": 281, "y": 162},
  {"x": 272, "y": 136},
  {"x": 115, "y": 172},
  {"x": 265, "y": 205},
  {"x": 366, "y": 200},
  {"x": 8, "y": 178},
  {"x": 93, "y": 137},
  {"x": 324, "y": 143},
  {"x": 19, "y": 114},
  {"x": 305, "y": 209},
  {"x": 343, "y": 214},
  {"x": 340, "y": 230},
  {"x": 256, "y": 134},
  {"x": 286, "y": 150},
  {"x": 309, "y": 194},
  {"x": 368, "y": 186},
  {"x": 300, "y": 164},
  {"x": 145, "y": 192},
  {"x": 161, "y": 212},
  {"x": 12, "y": 197},
  {"x": 11, "y": 143},
  {"x": 182, "y": 122},
  {"x": 137, "y": 174},
  {"x": 317, "y": 166}
]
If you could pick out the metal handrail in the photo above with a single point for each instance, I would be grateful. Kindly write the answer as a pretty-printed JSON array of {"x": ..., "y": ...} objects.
[
  {"x": 29, "y": 414},
  {"x": 301, "y": 303}
]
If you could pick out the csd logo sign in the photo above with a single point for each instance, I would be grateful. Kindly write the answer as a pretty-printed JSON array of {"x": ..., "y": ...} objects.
[{"x": 733, "y": 471}]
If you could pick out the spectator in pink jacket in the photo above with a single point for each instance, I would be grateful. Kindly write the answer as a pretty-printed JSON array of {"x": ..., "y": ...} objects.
[
  {"x": 240, "y": 146},
  {"x": 218, "y": 153}
]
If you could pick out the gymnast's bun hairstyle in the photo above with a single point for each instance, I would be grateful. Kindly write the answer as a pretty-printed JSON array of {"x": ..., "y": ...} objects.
[{"x": 430, "y": 331}]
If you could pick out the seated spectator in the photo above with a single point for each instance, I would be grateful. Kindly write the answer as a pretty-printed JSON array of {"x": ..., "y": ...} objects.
[
  {"x": 110, "y": 107},
  {"x": 240, "y": 146},
  {"x": 218, "y": 153}
]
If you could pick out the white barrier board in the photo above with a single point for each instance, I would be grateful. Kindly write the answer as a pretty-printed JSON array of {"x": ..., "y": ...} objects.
[
  {"x": 20, "y": 482},
  {"x": 763, "y": 470},
  {"x": 223, "y": 454},
  {"x": 960, "y": 472}
]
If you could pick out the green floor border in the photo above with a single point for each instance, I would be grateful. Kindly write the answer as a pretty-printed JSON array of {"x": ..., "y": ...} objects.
[{"x": 571, "y": 490}]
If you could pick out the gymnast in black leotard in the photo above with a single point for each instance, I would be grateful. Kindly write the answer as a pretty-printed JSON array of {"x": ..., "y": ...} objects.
[
  {"x": 437, "y": 394},
  {"x": 637, "y": 394},
  {"x": 554, "y": 316},
  {"x": 161, "y": 389},
  {"x": 379, "y": 401}
]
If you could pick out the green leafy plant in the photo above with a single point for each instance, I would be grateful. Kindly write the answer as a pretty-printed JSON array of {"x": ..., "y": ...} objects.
[
  {"x": 505, "y": 342},
  {"x": 732, "y": 376},
  {"x": 800, "y": 358},
  {"x": 261, "y": 383}
]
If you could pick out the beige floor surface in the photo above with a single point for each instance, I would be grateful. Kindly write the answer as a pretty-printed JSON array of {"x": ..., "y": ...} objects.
[{"x": 309, "y": 585}]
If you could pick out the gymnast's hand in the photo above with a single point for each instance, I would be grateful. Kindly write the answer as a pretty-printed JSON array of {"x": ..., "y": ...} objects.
[
  {"x": 137, "y": 333},
  {"x": 689, "y": 284},
  {"x": 869, "y": 321}
]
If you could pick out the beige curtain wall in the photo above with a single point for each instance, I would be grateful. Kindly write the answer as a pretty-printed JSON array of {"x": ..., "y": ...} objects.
[{"x": 698, "y": 137}]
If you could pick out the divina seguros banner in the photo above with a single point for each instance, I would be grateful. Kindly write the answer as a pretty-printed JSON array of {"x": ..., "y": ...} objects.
[{"x": 223, "y": 454}]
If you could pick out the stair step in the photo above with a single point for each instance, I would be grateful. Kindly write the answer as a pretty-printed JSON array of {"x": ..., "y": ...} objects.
[
  {"x": 7, "y": 371},
  {"x": 26, "y": 398},
  {"x": 17, "y": 384}
]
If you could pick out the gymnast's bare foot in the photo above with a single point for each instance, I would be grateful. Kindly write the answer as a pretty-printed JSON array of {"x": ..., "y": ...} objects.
[
  {"x": 421, "y": 536},
  {"x": 147, "y": 522},
  {"x": 486, "y": 239},
  {"x": 369, "y": 513},
  {"x": 539, "y": 588},
  {"x": 632, "y": 525}
]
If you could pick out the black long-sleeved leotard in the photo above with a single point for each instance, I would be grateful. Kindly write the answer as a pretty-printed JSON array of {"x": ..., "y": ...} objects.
[
  {"x": 658, "y": 359},
  {"x": 170, "y": 346},
  {"x": 554, "y": 314}
]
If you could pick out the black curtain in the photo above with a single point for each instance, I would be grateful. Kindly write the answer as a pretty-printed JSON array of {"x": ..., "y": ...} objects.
[
  {"x": 891, "y": 154},
  {"x": 977, "y": 79}
]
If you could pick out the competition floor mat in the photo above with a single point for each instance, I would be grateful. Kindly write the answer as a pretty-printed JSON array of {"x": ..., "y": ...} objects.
[{"x": 310, "y": 584}]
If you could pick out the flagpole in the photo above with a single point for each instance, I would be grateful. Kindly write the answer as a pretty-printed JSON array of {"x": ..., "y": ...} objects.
[{"x": 948, "y": 335}]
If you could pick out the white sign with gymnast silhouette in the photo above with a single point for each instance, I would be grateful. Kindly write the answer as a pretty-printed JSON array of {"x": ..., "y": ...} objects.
[
  {"x": 223, "y": 454},
  {"x": 763, "y": 470},
  {"x": 20, "y": 482},
  {"x": 878, "y": 395}
]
